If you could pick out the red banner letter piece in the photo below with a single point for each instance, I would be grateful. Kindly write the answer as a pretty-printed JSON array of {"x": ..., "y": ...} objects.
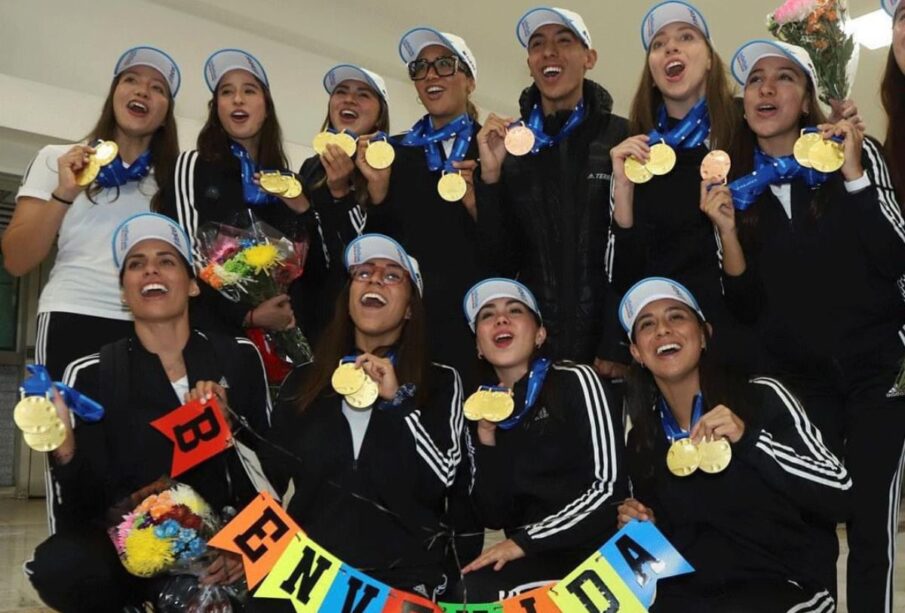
[
  {"x": 198, "y": 431},
  {"x": 404, "y": 602}
]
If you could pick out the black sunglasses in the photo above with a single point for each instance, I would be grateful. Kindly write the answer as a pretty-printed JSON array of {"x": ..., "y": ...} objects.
[{"x": 444, "y": 66}]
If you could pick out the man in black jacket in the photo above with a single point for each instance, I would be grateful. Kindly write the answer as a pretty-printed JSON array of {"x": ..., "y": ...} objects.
[{"x": 543, "y": 217}]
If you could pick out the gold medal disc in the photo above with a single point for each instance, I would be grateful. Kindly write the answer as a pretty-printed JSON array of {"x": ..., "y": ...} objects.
[
  {"x": 662, "y": 159},
  {"x": 715, "y": 166},
  {"x": 46, "y": 441},
  {"x": 364, "y": 397},
  {"x": 452, "y": 187},
  {"x": 273, "y": 183},
  {"x": 35, "y": 414},
  {"x": 802, "y": 148},
  {"x": 86, "y": 175},
  {"x": 636, "y": 172},
  {"x": 347, "y": 379},
  {"x": 105, "y": 152},
  {"x": 683, "y": 458},
  {"x": 519, "y": 140},
  {"x": 499, "y": 406},
  {"x": 294, "y": 189},
  {"x": 474, "y": 405},
  {"x": 715, "y": 455},
  {"x": 826, "y": 156},
  {"x": 346, "y": 142},
  {"x": 320, "y": 142},
  {"x": 380, "y": 154}
]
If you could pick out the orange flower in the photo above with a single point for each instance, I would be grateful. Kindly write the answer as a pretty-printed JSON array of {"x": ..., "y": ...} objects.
[{"x": 209, "y": 276}]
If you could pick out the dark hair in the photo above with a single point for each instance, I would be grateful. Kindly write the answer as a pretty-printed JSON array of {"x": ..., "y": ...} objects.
[
  {"x": 164, "y": 145},
  {"x": 213, "y": 141},
  {"x": 359, "y": 183},
  {"x": 892, "y": 93},
  {"x": 718, "y": 92},
  {"x": 412, "y": 363}
]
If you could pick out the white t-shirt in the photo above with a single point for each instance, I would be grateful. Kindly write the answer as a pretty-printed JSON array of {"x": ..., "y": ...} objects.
[
  {"x": 181, "y": 387},
  {"x": 84, "y": 279}
]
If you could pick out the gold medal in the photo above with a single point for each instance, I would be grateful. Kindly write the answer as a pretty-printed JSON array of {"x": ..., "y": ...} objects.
[
  {"x": 380, "y": 154},
  {"x": 364, "y": 397},
  {"x": 105, "y": 152},
  {"x": 715, "y": 166},
  {"x": 826, "y": 156},
  {"x": 662, "y": 159},
  {"x": 519, "y": 140},
  {"x": 636, "y": 172},
  {"x": 474, "y": 405},
  {"x": 294, "y": 188},
  {"x": 347, "y": 379},
  {"x": 273, "y": 183},
  {"x": 346, "y": 142},
  {"x": 715, "y": 455},
  {"x": 499, "y": 406},
  {"x": 320, "y": 142},
  {"x": 35, "y": 414},
  {"x": 683, "y": 458},
  {"x": 88, "y": 173},
  {"x": 802, "y": 148},
  {"x": 452, "y": 187},
  {"x": 46, "y": 441}
]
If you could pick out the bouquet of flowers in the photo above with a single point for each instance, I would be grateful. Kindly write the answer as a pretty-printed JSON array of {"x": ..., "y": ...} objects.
[
  {"x": 819, "y": 27},
  {"x": 251, "y": 265}
]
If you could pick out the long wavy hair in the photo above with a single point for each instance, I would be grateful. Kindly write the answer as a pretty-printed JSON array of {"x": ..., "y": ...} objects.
[
  {"x": 164, "y": 145},
  {"x": 719, "y": 92},
  {"x": 213, "y": 141},
  {"x": 892, "y": 93},
  {"x": 338, "y": 339}
]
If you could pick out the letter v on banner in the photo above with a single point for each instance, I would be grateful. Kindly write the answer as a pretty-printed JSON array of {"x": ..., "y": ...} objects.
[
  {"x": 198, "y": 431},
  {"x": 303, "y": 575}
]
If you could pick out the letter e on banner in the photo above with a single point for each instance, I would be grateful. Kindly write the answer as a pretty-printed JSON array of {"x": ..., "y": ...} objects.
[
  {"x": 198, "y": 431},
  {"x": 260, "y": 533}
]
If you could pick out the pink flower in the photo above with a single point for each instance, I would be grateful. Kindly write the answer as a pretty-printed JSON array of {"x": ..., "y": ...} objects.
[{"x": 793, "y": 10}]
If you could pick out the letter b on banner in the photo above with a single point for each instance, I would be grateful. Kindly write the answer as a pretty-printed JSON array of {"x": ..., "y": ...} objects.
[{"x": 198, "y": 431}]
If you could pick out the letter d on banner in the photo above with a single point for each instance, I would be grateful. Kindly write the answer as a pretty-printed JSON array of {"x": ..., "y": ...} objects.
[{"x": 198, "y": 431}]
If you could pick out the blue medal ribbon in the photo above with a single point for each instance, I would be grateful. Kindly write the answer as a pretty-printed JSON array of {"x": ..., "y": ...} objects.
[
  {"x": 424, "y": 135},
  {"x": 40, "y": 384},
  {"x": 542, "y": 140},
  {"x": 252, "y": 194},
  {"x": 115, "y": 174},
  {"x": 671, "y": 427},
  {"x": 690, "y": 132},
  {"x": 536, "y": 377},
  {"x": 379, "y": 135}
]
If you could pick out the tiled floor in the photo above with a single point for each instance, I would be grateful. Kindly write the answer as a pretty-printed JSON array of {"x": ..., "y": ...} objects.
[{"x": 23, "y": 525}]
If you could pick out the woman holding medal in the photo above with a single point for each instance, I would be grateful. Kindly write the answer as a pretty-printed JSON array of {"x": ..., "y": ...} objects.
[
  {"x": 340, "y": 188},
  {"x": 219, "y": 181},
  {"x": 548, "y": 450},
  {"x": 730, "y": 470},
  {"x": 430, "y": 205},
  {"x": 157, "y": 367},
  {"x": 75, "y": 196},
  {"x": 683, "y": 107},
  {"x": 375, "y": 428},
  {"x": 892, "y": 94},
  {"x": 814, "y": 265}
]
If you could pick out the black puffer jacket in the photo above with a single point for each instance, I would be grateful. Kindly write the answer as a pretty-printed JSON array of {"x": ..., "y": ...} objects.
[{"x": 546, "y": 222}]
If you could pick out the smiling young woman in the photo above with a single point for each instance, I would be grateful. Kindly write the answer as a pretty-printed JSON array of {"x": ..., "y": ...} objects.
[{"x": 61, "y": 203}]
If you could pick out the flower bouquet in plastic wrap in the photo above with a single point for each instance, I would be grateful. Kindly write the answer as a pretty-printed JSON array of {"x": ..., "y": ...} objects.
[
  {"x": 251, "y": 265},
  {"x": 165, "y": 536},
  {"x": 819, "y": 27}
]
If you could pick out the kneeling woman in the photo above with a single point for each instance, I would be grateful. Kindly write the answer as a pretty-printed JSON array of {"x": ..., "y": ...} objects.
[
  {"x": 547, "y": 475},
  {"x": 374, "y": 466},
  {"x": 138, "y": 379},
  {"x": 730, "y": 470}
]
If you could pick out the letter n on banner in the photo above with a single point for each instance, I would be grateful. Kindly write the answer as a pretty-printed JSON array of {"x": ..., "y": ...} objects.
[
  {"x": 354, "y": 592},
  {"x": 198, "y": 431},
  {"x": 594, "y": 587},
  {"x": 404, "y": 602},
  {"x": 259, "y": 533},
  {"x": 302, "y": 575},
  {"x": 535, "y": 601}
]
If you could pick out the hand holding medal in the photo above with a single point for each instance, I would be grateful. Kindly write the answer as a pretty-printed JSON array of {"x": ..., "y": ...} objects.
[
  {"x": 379, "y": 153},
  {"x": 282, "y": 183},
  {"x": 345, "y": 140},
  {"x": 706, "y": 446},
  {"x": 351, "y": 381},
  {"x": 490, "y": 402},
  {"x": 820, "y": 149},
  {"x": 100, "y": 154}
]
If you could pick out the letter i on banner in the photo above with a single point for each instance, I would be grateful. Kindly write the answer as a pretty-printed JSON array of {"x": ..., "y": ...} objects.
[
  {"x": 640, "y": 555},
  {"x": 198, "y": 431},
  {"x": 536, "y": 601},
  {"x": 594, "y": 587},
  {"x": 404, "y": 602},
  {"x": 260, "y": 533},
  {"x": 302, "y": 575},
  {"x": 354, "y": 592}
]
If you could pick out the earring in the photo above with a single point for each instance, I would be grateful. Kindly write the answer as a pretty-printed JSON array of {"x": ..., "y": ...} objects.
[{"x": 480, "y": 356}]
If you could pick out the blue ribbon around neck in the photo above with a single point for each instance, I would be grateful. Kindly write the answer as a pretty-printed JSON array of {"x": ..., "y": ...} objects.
[
  {"x": 542, "y": 140},
  {"x": 115, "y": 174},
  {"x": 690, "y": 132},
  {"x": 536, "y": 377},
  {"x": 251, "y": 193},
  {"x": 40, "y": 384},
  {"x": 671, "y": 427},
  {"x": 424, "y": 135}
]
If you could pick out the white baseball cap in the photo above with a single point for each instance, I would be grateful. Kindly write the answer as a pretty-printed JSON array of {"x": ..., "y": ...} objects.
[
  {"x": 890, "y": 6},
  {"x": 416, "y": 39},
  {"x": 753, "y": 51},
  {"x": 672, "y": 11},
  {"x": 144, "y": 226},
  {"x": 497, "y": 287},
  {"x": 154, "y": 58},
  {"x": 345, "y": 72},
  {"x": 372, "y": 246},
  {"x": 648, "y": 290},
  {"x": 222, "y": 61},
  {"x": 543, "y": 15}
]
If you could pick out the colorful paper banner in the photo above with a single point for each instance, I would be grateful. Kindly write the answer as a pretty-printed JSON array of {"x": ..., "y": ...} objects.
[
  {"x": 303, "y": 575},
  {"x": 198, "y": 431}
]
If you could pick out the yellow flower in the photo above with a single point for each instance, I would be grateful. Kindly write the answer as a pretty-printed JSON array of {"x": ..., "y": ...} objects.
[
  {"x": 261, "y": 257},
  {"x": 145, "y": 554}
]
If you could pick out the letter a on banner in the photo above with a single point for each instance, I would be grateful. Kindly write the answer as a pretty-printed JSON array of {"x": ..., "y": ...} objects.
[
  {"x": 260, "y": 533},
  {"x": 594, "y": 587},
  {"x": 302, "y": 575},
  {"x": 198, "y": 431}
]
